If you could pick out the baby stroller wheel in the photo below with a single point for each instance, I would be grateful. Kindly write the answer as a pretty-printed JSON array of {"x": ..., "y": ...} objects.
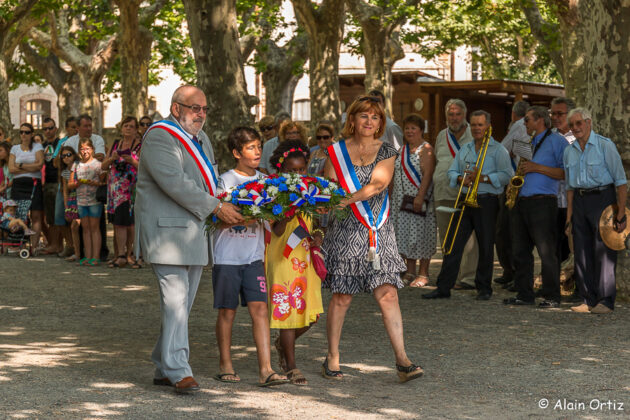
[{"x": 24, "y": 253}]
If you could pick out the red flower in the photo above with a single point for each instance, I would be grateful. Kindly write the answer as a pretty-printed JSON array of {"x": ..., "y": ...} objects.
[{"x": 290, "y": 212}]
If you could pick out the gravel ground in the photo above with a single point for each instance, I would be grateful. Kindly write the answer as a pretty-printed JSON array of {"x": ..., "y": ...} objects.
[{"x": 75, "y": 342}]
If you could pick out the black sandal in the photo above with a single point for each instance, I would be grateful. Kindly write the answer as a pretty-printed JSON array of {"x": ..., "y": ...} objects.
[
  {"x": 330, "y": 374},
  {"x": 408, "y": 373},
  {"x": 114, "y": 263}
]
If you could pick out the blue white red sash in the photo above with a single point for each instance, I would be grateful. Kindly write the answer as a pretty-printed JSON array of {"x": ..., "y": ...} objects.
[
  {"x": 405, "y": 162},
  {"x": 452, "y": 143},
  {"x": 344, "y": 169},
  {"x": 194, "y": 149}
]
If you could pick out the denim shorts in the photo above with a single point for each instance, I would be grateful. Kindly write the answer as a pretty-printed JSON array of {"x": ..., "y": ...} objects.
[
  {"x": 91, "y": 211},
  {"x": 60, "y": 219},
  {"x": 229, "y": 282}
]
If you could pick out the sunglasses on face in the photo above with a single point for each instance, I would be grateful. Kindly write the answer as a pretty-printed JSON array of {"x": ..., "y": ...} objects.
[
  {"x": 145, "y": 124},
  {"x": 49, "y": 128},
  {"x": 66, "y": 155},
  {"x": 195, "y": 108},
  {"x": 322, "y": 137},
  {"x": 25, "y": 132},
  {"x": 267, "y": 128},
  {"x": 374, "y": 99}
]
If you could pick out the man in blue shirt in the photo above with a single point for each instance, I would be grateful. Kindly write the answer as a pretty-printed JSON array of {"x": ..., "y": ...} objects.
[
  {"x": 534, "y": 217},
  {"x": 495, "y": 174},
  {"x": 595, "y": 179}
]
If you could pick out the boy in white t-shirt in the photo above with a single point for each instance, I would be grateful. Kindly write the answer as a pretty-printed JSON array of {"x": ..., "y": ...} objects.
[{"x": 238, "y": 267}]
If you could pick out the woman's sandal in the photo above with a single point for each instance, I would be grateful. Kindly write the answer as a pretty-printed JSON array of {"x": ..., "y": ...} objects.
[
  {"x": 115, "y": 264},
  {"x": 83, "y": 261},
  {"x": 419, "y": 281},
  {"x": 408, "y": 278},
  {"x": 330, "y": 374},
  {"x": 408, "y": 373},
  {"x": 221, "y": 377},
  {"x": 93, "y": 262},
  {"x": 296, "y": 377}
]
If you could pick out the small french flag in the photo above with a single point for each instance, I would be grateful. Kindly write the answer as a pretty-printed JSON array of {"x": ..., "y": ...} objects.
[{"x": 294, "y": 240}]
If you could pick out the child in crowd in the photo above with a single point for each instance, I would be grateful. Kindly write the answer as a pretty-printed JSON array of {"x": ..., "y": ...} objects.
[
  {"x": 5, "y": 176},
  {"x": 85, "y": 178},
  {"x": 238, "y": 267},
  {"x": 9, "y": 220},
  {"x": 295, "y": 298},
  {"x": 68, "y": 158}
]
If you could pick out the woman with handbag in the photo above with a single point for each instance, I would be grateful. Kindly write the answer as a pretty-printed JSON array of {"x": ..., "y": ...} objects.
[{"x": 412, "y": 201}]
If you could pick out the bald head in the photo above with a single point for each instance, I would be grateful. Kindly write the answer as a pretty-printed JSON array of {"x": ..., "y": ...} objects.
[{"x": 189, "y": 107}]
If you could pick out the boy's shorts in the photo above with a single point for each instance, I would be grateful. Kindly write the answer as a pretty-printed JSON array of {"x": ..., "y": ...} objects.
[{"x": 230, "y": 281}]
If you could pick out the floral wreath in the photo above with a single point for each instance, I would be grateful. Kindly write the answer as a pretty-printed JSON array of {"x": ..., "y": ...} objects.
[{"x": 286, "y": 154}]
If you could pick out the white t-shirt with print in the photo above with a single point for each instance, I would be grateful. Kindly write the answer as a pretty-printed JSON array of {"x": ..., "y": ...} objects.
[
  {"x": 90, "y": 171},
  {"x": 239, "y": 245},
  {"x": 27, "y": 157}
]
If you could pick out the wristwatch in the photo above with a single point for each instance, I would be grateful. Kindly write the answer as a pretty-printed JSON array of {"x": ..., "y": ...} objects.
[{"x": 218, "y": 208}]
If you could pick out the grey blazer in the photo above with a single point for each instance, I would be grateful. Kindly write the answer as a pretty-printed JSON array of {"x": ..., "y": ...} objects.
[{"x": 172, "y": 202}]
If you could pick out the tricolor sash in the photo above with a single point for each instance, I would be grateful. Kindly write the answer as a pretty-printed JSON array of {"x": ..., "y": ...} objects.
[
  {"x": 194, "y": 149},
  {"x": 344, "y": 169},
  {"x": 452, "y": 143},
  {"x": 405, "y": 162}
]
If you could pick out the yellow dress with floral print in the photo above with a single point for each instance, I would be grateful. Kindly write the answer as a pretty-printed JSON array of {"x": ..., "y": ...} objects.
[{"x": 293, "y": 286}]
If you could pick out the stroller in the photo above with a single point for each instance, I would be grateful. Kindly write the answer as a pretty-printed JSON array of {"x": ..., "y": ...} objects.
[{"x": 18, "y": 239}]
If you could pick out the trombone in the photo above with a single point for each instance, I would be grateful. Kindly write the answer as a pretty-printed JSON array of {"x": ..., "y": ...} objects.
[{"x": 471, "y": 196}]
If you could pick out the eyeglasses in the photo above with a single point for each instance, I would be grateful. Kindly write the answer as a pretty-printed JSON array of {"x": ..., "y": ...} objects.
[
  {"x": 267, "y": 128},
  {"x": 323, "y": 137},
  {"x": 578, "y": 123},
  {"x": 195, "y": 108},
  {"x": 66, "y": 155},
  {"x": 526, "y": 119},
  {"x": 374, "y": 99},
  {"x": 148, "y": 124},
  {"x": 48, "y": 128},
  {"x": 25, "y": 132},
  {"x": 557, "y": 114}
]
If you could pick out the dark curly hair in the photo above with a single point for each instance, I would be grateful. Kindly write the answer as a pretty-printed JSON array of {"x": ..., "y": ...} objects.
[
  {"x": 286, "y": 150},
  {"x": 240, "y": 136}
]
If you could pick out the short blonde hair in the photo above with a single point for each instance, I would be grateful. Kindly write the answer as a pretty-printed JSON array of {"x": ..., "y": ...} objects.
[
  {"x": 288, "y": 125},
  {"x": 363, "y": 104}
]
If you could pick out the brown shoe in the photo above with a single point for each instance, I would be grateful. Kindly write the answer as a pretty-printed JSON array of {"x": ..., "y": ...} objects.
[
  {"x": 186, "y": 385},
  {"x": 600, "y": 308},
  {"x": 162, "y": 382},
  {"x": 583, "y": 308}
]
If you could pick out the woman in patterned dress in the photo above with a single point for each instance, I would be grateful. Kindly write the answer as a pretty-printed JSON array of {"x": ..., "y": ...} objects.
[
  {"x": 356, "y": 260},
  {"x": 415, "y": 231}
]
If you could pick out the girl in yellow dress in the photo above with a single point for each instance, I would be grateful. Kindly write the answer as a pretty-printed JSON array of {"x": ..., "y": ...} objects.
[{"x": 294, "y": 288}]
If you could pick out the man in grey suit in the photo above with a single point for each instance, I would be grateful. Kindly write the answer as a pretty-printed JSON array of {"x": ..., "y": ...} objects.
[{"x": 173, "y": 199}]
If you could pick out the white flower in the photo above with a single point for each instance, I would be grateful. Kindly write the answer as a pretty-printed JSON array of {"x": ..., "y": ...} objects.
[
  {"x": 292, "y": 187},
  {"x": 255, "y": 209},
  {"x": 242, "y": 193},
  {"x": 272, "y": 190},
  {"x": 327, "y": 191}
]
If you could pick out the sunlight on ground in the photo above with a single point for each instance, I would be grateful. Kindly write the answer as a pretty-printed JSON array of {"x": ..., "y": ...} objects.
[
  {"x": 44, "y": 354},
  {"x": 13, "y": 308},
  {"x": 25, "y": 414},
  {"x": 123, "y": 385},
  {"x": 99, "y": 274},
  {"x": 197, "y": 409},
  {"x": 591, "y": 359},
  {"x": 367, "y": 368},
  {"x": 134, "y": 288},
  {"x": 14, "y": 331},
  {"x": 397, "y": 414}
]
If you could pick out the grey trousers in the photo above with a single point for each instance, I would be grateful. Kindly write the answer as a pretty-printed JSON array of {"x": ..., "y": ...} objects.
[
  {"x": 468, "y": 265},
  {"x": 178, "y": 286}
]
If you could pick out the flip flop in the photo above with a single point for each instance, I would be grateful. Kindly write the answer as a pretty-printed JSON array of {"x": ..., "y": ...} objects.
[
  {"x": 268, "y": 382},
  {"x": 221, "y": 377}
]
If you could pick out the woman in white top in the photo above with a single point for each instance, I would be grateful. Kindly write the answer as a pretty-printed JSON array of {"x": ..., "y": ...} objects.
[{"x": 25, "y": 164}]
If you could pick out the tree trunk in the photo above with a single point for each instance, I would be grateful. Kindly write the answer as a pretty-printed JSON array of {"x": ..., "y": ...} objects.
[
  {"x": 323, "y": 24},
  {"x": 215, "y": 40},
  {"x": 135, "y": 55},
  {"x": 381, "y": 53},
  {"x": 594, "y": 38},
  {"x": 5, "y": 114},
  {"x": 279, "y": 76}
]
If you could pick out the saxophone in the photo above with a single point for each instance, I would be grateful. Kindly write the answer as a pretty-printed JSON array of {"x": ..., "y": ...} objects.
[{"x": 516, "y": 182}]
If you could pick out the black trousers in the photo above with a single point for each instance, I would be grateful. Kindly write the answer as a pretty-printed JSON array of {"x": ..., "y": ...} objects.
[
  {"x": 563, "y": 240},
  {"x": 482, "y": 221},
  {"x": 503, "y": 240},
  {"x": 595, "y": 263},
  {"x": 533, "y": 222}
]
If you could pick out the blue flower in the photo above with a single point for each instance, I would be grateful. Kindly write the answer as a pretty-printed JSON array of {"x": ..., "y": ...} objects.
[
  {"x": 283, "y": 188},
  {"x": 235, "y": 193},
  {"x": 234, "y": 200},
  {"x": 282, "y": 179},
  {"x": 323, "y": 182},
  {"x": 341, "y": 192},
  {"x": 214, "y": 218},
  {"x": 277, "y": 209},
  {"x": 311, "y": 201},
  {"x": 293, "y": 197},
  {"x": 268, "y": 181}
]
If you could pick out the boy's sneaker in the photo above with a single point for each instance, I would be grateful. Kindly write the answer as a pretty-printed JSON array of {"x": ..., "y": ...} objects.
[{"x": 29, "y": 232}]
